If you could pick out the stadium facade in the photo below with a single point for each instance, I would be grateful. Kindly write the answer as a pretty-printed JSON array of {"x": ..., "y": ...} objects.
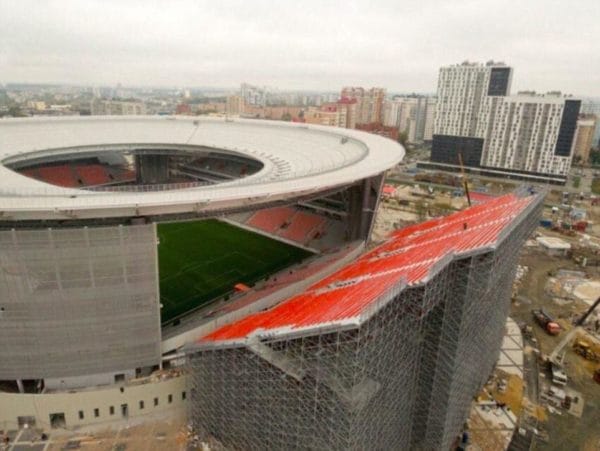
[
  {"x": 80, "y": 203},
  {"x": 386, "y": 353},
  {"x": 341, "y": 352}
]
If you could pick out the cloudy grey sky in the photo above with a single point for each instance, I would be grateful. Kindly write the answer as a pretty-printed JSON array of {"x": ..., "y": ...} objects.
[{"x": 299, "y": 44}]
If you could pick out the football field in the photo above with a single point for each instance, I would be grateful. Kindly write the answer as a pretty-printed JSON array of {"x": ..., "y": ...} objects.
[{"x": 199, "y": 261}]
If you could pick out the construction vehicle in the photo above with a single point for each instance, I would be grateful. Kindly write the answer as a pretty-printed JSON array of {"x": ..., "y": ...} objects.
[
  {"x": 584, "y": 349},
  {"x": 578, "y": 328},
  {"x": 546, "y": 321},
  {"x": 559, "y": 377}
]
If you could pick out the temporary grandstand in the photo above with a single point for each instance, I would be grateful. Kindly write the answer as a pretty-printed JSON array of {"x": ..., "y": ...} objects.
[{"x": 385, "y": 353}]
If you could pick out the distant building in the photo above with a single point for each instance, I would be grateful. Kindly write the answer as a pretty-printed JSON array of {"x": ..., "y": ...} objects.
[
  {"x": 116, "y": 108},
  {"x": 584, "y": 137},
  {"x": 183, "y": 108},
  {"x": 369, "y": 103},
  {"x": 326, "y": 116},
  {"x": 478, "y": 119},
  {"x": 590, "y": 106},
  {"x": 412, "y": 115},
  {"x": 338, "y": 114},
  {"x": 429, "y": 119},
  {"x": 529, "y": 133},
  {"x": 253, "y": 95},
  {"x": 235, "y": 105},
  {"x": 36, "y": 105}
]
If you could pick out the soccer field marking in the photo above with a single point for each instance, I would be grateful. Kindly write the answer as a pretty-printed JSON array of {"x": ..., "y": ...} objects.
[
  {"x": 209, "y": 258},
  {"x": 197, "y": 267}
]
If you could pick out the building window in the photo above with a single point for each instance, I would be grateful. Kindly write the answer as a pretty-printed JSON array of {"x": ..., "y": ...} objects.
[
  {"x": 111, "y": 410},
  {"x": 141, "y": 405},
  {"x": 155, "y": 402},
  {"x": 81, "y": 416},
  {"x": 96, "y": 412},
  {"x": 183, "y": 395},
  {"x": 170, "y": 399}
]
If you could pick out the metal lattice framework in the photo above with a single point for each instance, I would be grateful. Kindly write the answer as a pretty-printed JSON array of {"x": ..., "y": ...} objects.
[{"x": 403, "y": 377}]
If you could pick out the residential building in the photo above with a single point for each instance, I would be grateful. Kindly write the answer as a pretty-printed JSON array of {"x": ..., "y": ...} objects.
[
  {"x": 429, "y": 119},
  {"x": 235, "y": 105},
  {"x": 337, "y": 114},
  {"x": 529, "y": 133},
  {"x": 592, "y": 106},
  {"x": 253, "y": 95},
  {"x": 100, "y": 107},
  {"x": 369, "y": 103},
  {"x": 412, "y": 115},
  {"x": 478, "y": 120},
  {"x": 584, "y": 137}
]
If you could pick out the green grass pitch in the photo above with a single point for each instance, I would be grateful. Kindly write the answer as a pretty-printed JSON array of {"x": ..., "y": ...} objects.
[{"x": 199, "y": 261}]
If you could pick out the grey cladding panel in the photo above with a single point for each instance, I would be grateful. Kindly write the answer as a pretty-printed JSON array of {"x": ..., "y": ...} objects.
[{"x": 78, "y": 301}]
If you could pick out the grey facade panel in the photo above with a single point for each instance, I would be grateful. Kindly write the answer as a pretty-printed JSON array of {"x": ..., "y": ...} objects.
[
  {"x": 78, "y": 301},
  {"x": 499, "y": 81},
  {"x": 445, "y": 149},
  {"x": 568, "y": 126}
]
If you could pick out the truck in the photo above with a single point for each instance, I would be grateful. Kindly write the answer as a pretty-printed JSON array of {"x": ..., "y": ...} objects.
[
  {"x": 559, "y": 377},
  {"x": 546, "y": 322},
  {"x": 584, "y": 349}
]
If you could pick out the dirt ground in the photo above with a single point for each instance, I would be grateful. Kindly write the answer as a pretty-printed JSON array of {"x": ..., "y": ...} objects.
[
  {"x": 565, "y": 432},
  {"x": 155, "y": 435}
]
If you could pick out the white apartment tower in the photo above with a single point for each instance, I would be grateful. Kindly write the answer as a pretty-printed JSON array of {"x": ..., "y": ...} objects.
[{"x": 476, "y": 117}]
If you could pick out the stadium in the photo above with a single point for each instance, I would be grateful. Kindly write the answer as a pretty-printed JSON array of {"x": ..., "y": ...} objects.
[{"x": 239, "y": 250}]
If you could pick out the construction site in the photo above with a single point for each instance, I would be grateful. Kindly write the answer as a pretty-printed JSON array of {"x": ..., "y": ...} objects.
[{"x": 550, "y": 398}]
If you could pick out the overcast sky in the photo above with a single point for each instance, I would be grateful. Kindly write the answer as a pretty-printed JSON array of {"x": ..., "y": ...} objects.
[{"x": 553, "y": 45}]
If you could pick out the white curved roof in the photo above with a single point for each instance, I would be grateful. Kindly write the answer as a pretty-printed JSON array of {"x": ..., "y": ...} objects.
[{"x": 298, "y": 159}]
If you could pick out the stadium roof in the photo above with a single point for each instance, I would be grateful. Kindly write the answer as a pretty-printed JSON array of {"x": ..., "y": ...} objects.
[
  {"x": 298, "y": 160},
  {"x": 409, "y": 257}
]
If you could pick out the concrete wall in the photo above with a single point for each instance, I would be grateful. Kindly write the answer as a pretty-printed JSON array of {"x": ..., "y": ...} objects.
[{"x": 40, "y": 406}]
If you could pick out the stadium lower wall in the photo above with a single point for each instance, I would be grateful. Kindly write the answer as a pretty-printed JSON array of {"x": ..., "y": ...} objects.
[
  {"x": 42, "y": 406},
  {"x": 404, "y": 378},
  {"x": 78, "y": 301}
]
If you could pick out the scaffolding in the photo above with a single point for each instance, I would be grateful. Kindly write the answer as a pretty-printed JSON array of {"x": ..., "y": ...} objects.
[{"x": 402, "y": 377}]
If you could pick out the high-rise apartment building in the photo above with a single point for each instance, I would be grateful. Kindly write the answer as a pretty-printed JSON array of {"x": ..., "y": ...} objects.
[
  {"x": 592, "y": 106},
  {"x": 529, "y": 133},
  {"x": 584, "y": 137},
  {"x": 369, "y": 103},
  {"x": 478, "y": 119}
]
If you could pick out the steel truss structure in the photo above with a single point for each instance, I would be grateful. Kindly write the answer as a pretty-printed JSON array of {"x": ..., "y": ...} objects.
[{"x": 401, "y": 377}]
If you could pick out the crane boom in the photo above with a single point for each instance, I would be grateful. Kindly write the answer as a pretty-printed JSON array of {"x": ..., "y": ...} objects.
[
  {"x": 464, "y": 178},
  {"x": 569, "y": 336}
]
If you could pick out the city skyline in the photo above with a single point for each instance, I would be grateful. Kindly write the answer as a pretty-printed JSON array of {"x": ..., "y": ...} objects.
[{"x": 296, "y": 47}]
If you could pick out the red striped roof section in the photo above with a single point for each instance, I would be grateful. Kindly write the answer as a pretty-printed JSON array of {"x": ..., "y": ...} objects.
[
  {"x": 408, "y": 256},
  {"x": 478, "y": 198}
]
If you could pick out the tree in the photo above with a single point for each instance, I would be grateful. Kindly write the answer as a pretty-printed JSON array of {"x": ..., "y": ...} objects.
[{"x": 403, "y": 138}]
